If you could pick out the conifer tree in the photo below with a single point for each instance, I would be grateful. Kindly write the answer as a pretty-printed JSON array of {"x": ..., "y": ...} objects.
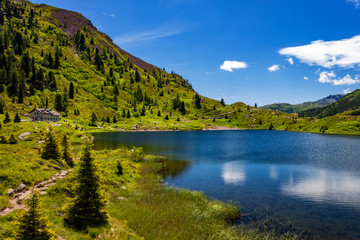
[
  {"x": 93, "y": 120},
  {"x": 7, "y": 118},
  {"x": 197, "y": 101},
  {"x": 13, "y": 139},
  {"x": 71, "y": 91},
  {"x": 137, "y": 76},
  {"x": 31, "y": 224},
  {"x": 182, "y": 108},
  {"x": 2, "y": 106},
  {"x": 87, "y": 207},
  {"x": 51, "y": 147},
  {"x": 17, "y": 118},
  {"x": 66, "y": 151},
  {"x": 114, "y": 119},
  {"x": 21, "y": 93}
]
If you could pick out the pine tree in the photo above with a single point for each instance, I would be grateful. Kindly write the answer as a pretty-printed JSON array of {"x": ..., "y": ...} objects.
[
  {"x": 31, "y": 224},
  {"x": 128, "y": 114},
  {"x": 2, "y": 106},
  {"x": 182, "y": 108},
  {"x": 137, "y": 76},
  {"x": 197, "y": 101},
  {"x": 7, "y": 118},
  {"x": 71, "y": 91},
  {"x": 114, "y": 119},
  {"x": 87, "y": 207},
  {"x": 21, "y": 93},
  {"x": 13, "y": 139},
  {"x": 51, "y": 147},
  {"x": 59, "y": 104},
  {"x": 93, "y": 120},
  {"x": 66, "y": 151},
  {"x": 17, "y": 118},
  {"x": 222, "y": 102}
]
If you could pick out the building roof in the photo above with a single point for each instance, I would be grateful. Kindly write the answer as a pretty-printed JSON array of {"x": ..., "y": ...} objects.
[{"x": 46, "y": 111}]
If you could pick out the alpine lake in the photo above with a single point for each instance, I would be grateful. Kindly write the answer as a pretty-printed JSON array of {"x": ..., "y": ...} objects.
[{"x": 311, "y": 180}]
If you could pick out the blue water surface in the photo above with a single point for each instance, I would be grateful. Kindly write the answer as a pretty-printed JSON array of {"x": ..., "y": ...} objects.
[{"x": 311, "y": 179}]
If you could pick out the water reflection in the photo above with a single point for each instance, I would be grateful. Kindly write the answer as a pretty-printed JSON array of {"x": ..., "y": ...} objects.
[
  {"x": 233, "y": 173},
  {"x": 173, "y": 168},
  {"x": 323, "y": 185}
]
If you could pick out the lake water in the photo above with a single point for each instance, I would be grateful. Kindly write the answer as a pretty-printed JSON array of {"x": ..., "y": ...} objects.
[{"x": 312, "y": 179}]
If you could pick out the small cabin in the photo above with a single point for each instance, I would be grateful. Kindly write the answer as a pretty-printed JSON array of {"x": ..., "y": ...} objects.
[{"x": 44, "y": 114}]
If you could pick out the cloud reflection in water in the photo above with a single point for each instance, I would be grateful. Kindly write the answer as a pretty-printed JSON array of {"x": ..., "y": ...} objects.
[
  {"x": 323, "y": 185},
  {"x": 233, "y": 173}
]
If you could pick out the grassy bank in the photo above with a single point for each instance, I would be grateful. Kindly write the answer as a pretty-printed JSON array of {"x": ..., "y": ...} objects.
[{"x": 139, "y": 206}]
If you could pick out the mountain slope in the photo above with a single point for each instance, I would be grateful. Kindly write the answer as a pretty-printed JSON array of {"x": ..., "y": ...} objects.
[
  {"x": 296, "y": 108},
  {"x": 350, "y": 101}
]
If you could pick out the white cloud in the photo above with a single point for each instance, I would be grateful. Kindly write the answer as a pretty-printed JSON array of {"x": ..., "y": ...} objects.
[
  {"x": 342, "y": 53},
  {"x": 346, "y": 91},
  {"x": 330, "y": 77},
  {"x": 355, "y": 2},
  {"x": 274, "y": 68},
  {"x": 161, "y": 32},
  {"x": 290, "y": 60},
  {"x": 306, "y": 78},
  {"x": 110, "y": 14},
  {"x": 230, "y": 65}
]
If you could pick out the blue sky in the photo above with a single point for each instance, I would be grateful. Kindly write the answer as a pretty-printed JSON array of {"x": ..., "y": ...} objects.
[{"x": 250, "y": 51}]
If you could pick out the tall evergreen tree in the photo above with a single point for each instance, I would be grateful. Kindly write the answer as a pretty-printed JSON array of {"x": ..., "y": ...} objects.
[
  {"x": 137, "y": 76},
  {"x": 93, "y": 119},
  {"x": 7, "y": 118},
  {"x": 197, "y": 101},
  {"x": 2, "y": 106},
  {"x": 17, "y": 118},
  {"x": 71, "y": 91},
  {"x": 31, "y": 224},
  {"x": 87, "y": 207},
  {"x": 51, "y": 147},
  {"x": 59, "y": 104},
  {"x": 66, "y": 151},
  {"x": 21, "y": 93}
]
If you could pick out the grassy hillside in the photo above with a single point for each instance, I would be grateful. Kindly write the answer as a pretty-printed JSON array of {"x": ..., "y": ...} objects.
[
  {"x": 297, "y": 108},
  {"x": 349, "y": 102},
  {"x": 56, "y": 58}
]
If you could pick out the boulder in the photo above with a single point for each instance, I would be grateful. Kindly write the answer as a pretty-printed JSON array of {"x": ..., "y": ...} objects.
[
  {"x": 11, "y": 191},
  {"x": 21, "y": 187}
]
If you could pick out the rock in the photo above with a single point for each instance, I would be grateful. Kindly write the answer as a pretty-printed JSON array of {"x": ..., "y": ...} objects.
[
  {"x": 123, "y": 187},
  {"x": 57, "y": 168},
  {"x": 121, "y": 198},
  {"x": 63, "y": 173},
  {"x": 59, "y": 213},
  {"x": 11, "y": 191},
  {"x": 21, "y": 187},
  {"x": 42, "y": 193}
]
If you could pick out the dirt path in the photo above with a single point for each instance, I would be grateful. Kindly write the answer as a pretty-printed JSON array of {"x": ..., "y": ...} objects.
[{"x": 19, "y": 195}]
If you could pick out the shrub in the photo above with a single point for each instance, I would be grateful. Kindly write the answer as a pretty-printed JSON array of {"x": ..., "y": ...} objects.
[
  {"x": 13, "y": 139},
  {"x": 119, "y": 169}
]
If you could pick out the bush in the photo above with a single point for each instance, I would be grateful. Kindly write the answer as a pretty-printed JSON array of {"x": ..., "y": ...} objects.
[
  {"x": 3, "y": 139},
  {"x": 137, "y": 154},
  {"x": 119, "y": 169},
  {"x": 13, "y": 139}
]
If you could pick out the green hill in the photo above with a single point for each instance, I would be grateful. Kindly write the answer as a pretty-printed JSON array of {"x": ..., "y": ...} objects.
[
  {"x": 350, "y": 101},
  {"x": 296, "y": 108},
  {"x": 56, "y": 58}
]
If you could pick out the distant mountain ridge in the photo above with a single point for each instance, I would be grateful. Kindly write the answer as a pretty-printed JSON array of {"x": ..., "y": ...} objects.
[
  {"x": 296, "y": 108},
  {"x": 349, "y": 102}
]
